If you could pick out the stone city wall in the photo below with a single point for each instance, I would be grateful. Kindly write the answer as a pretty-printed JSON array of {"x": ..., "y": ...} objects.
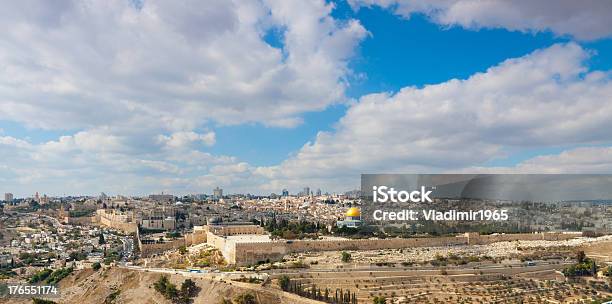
[
  {"x": 227, "y": 248},
  {"x": 251, "y": 253},
  {"x": 228, "y": 230},
  {"x": 81, "y": 221},
  {"x": 114, "y": 221},
  {"x": 365, "y": 244},
  {"x": 155, "y": 248},
  {"x": 198, "y": 236},
  {"x": 125, "y": 227}
]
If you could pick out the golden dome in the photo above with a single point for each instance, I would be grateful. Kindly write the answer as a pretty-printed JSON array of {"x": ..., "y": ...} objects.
[{"x": 352, "y": 212}]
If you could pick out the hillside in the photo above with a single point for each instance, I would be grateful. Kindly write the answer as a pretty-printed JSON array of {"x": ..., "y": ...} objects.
[{"x": 87, "y": 286}]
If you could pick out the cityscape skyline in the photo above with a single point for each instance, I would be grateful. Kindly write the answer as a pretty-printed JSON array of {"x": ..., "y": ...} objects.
[{"x": 216, "y": 192}]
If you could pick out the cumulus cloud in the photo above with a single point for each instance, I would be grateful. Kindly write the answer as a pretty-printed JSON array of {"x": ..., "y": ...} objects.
[
  {"x": 131, "y": 83},
  {"x": 584, "y": 20},
  {"x": 85, "y": 64},
  {"x": 547, "y": 98},
  {"x": 592, "y": 160},
  {"x": 76, "y": 164},
  {"x": 135, "y": 85},
  {"x": 184, "y": 139}
]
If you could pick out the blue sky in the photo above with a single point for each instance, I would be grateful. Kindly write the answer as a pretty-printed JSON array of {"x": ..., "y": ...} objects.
[
  {"x": 400, "y": 52},
  {"x": 257, "y": 96}
]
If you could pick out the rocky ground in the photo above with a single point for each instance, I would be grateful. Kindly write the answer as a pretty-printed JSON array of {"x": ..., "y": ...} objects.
[{"x": 500, "y": 250}]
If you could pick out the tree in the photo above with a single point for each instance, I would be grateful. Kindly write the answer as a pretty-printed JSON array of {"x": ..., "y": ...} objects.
[
  {"x": 163, "y": 286},
  {"x": 171, "y": 292},
  {"x": 245, "y": 298},
  {"x": 225, "y": 301},
  {"x": 42, "y": 301},
  {"x": 160, "y": 284},
  {"x": 189, "y": 288},
  {"x": 346, "y": 257},
  {"x": 283, "y": 282},
  {"x": 96, "y": 266},
  {"x": 608, "y": 271},
  {"x": 101, "y": 240},
  {"x": 40, "y": 276},
  {"x": 77, "y": 256},
  {"x": 58, "y": 275},
  {"x": 580, "y": 256},
  {"x": 182, "y": 250},
  {"x": 379, "y": 300}
]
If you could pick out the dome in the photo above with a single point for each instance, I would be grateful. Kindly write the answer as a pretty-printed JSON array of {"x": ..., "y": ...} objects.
[{"x": 353, "y": 212}]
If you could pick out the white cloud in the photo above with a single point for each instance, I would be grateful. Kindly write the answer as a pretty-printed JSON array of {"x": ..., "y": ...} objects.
[
  {"x": 584, "y": 20},
  {"x": 230, "y": 169},
  {"x": 91, "y": 162},
  {"x": 545, "y": 99},
  {"x": 180, "y": 65},
  {"x": 184, "y": 139},
  {"x": 592, "y": 160},
  {"x": 132, "y": 85}
]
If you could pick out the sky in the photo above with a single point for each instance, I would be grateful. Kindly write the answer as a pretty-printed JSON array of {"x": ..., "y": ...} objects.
[{"x": 140, "y": 97}]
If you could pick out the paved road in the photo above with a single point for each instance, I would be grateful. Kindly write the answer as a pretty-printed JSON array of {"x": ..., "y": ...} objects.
[{"x": 128, "y": 249}]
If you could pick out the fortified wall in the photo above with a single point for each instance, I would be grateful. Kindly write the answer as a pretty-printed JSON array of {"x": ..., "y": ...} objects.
[
  {"x": 149, "y": 249},
  {"x": 198, "y": 236},
  {"x": 251, "y": 253},
  {"x": 228, "y": 230},
  {"x": 82, "y": 221},
  {"x": 116, "y": 220}
]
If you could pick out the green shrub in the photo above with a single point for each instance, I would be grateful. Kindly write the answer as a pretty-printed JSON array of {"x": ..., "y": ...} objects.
[{"x": 40, "y": 276}]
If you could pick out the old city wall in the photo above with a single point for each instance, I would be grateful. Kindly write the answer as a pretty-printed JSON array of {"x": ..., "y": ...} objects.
[
  {"x": 333, "y": 245},
  {"x": 155, "y": 248},
  {"x": 236, "y": 230},
  {"x": 215, "y": 240},
  {"x": 110, "y": 220},
  {"x": 149, "y": 249},
  {"x": 125, "y": 227},
  {"x": 82, "y": 221},
  {"x": 251, "y": 253},
  {"x": 228, "y": 249},
  {"x": 198, "y": 236}
]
